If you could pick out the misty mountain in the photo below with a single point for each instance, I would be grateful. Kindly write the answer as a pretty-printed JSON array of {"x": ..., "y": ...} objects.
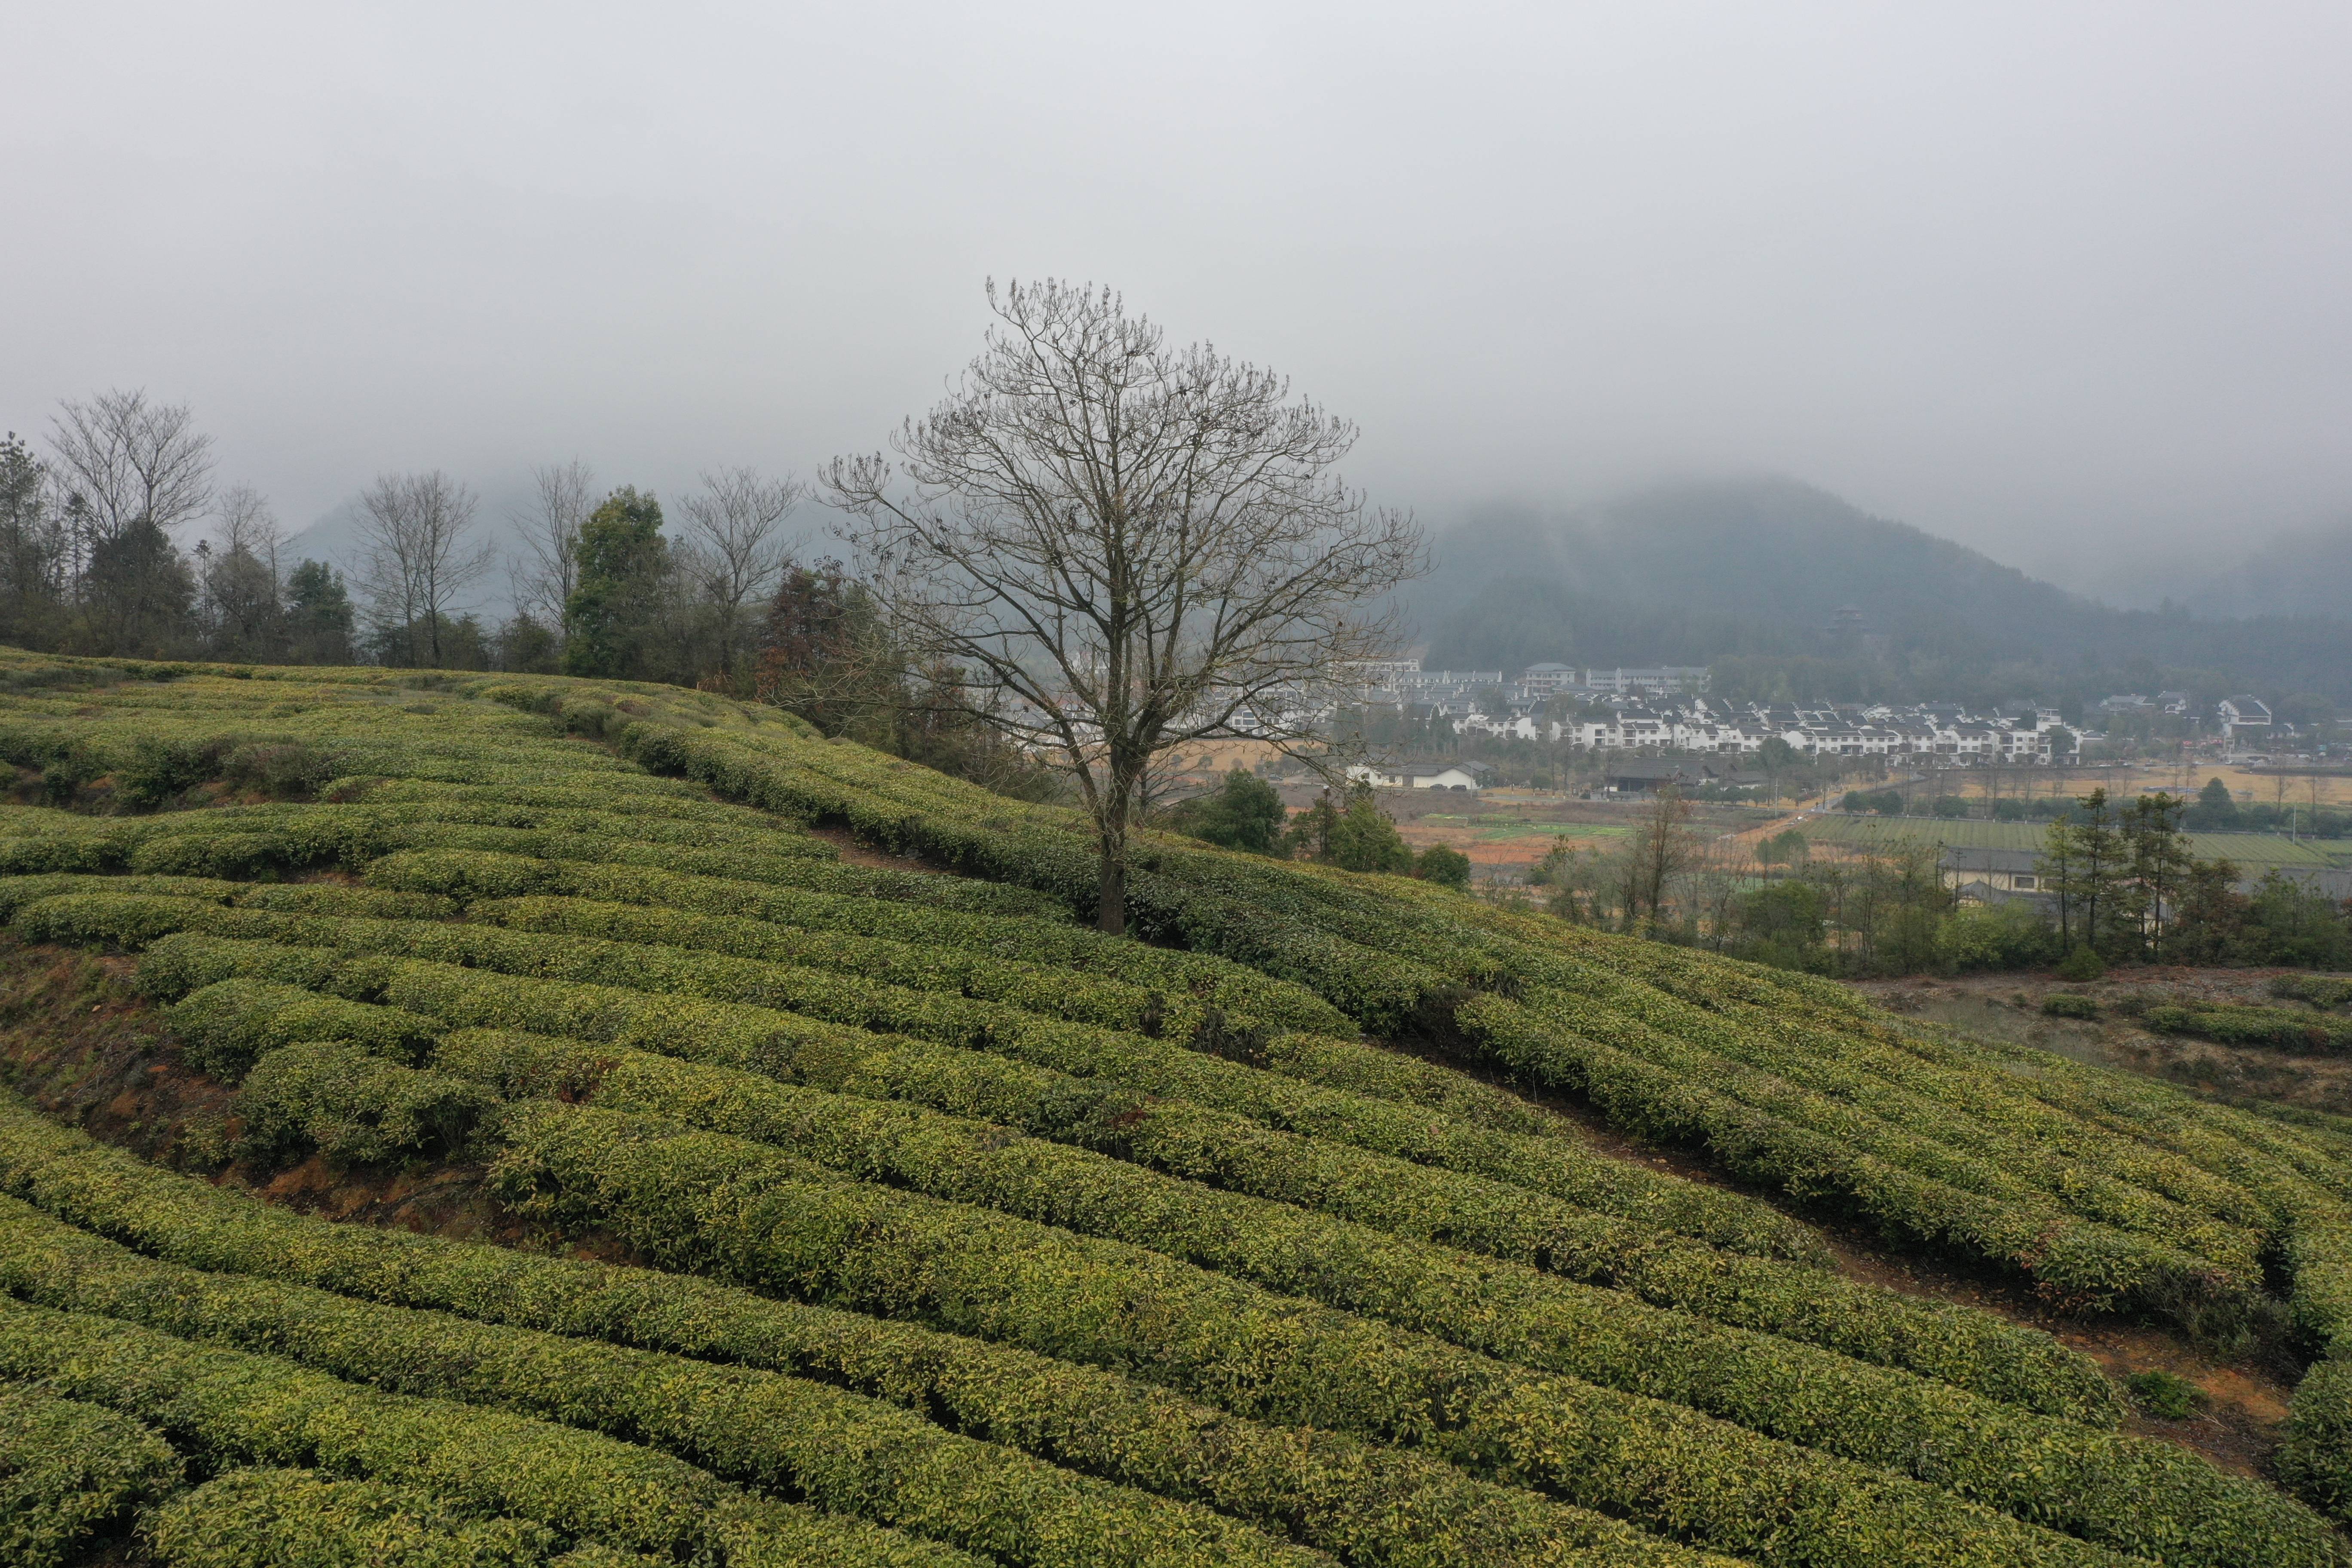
[{"x": 1850, "y": 605}]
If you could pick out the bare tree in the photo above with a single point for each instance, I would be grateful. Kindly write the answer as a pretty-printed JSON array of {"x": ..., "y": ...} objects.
[
  {"x": 419, "y": 559},
  {"x": 735, "y": 550},
  {"x": 122, "y": 460},
  {"x": 565, "y": 496},
  {"x": 1125, "y": 547},
  {"x": 240, "y": 576},
  {"x": 1660, "y": 850}
]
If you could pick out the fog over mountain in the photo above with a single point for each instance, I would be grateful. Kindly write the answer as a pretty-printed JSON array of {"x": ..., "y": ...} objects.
[
  {"x": 2060, "y": 283},
  {"x": 1840, "y": 603}
]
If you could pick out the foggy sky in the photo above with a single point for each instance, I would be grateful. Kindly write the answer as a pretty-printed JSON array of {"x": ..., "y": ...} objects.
[{"x": 2055, "y": 280}]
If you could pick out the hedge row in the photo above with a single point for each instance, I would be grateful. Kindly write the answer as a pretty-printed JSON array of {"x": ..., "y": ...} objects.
[
  {"x": 771, "y": 1041},
  {"x": 1031, "y": 937},
  {"x": 352, "y": 1105},
  {"x": 69, "y": 1471},
  {"x": 1967, "y": 1349},
  {"x": 2088, "y": 1263},
  {"x": 288, "y": 898},
  {"x": 201, "y": 845},
  {"x": 1977, "y": 1128},
  {"x": 299, "y": 1518},
  {"x": 1255, "y": 1233},
  {"x": 228, "y": 1027},
  {"x": 238, "y": 1408},
  {"x": 1367, "y": 1503},
  {"x": 2278, "y": 1028},
  {"x": 1078, "y": 995},
  {"x": 753, "y": 834},
  {"x": 703, "y": 1200},
  {"x": 842, "y": 1452}
]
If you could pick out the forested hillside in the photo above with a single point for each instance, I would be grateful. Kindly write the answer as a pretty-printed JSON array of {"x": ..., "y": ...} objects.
[
  {"x": 866, "y": 1206},
  {"x": 1757, "y": 570}
]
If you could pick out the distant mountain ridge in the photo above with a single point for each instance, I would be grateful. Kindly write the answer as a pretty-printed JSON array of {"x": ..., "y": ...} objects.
[{"x": 1699, "y": 571}]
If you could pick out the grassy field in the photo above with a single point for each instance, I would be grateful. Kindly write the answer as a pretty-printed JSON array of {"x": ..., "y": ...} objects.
[
  {"x": 832, "y": 1193},
  {"x": 2253, "y": 851}
]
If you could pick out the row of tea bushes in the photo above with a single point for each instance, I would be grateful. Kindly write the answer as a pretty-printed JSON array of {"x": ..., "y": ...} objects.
[
  {"x": 236, "y": 1408},
  {"x": 698, "y": 1200},
  {"x": 842, "y": 1452},
  {"x": 1969, "y": 1349},
  {"x": 773, "y": 1041},
  {"x": 1033, "y": 938},
  {"x": 1366, "y": 1503},
  {"x": 69, "y": 1472},
  {"x": 277, "y": 1518}
]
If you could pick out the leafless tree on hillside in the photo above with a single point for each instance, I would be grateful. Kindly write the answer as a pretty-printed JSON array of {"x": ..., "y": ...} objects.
[
  {"x": 735, "y": 549},
  {"x": 419, "y": 558},
  {"x": 1126, "y": 548},
  {"x": 122, "y": 460},
  {"x": 239, "y": 574},
  {"x": 565, "y": 496}
]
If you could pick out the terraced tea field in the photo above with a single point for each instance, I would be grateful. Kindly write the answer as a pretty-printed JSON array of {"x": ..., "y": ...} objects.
[{"x": 873, "y": 1215}]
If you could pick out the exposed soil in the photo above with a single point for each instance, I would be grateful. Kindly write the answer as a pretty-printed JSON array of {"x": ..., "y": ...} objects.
[{"x": 856, "y": 851}]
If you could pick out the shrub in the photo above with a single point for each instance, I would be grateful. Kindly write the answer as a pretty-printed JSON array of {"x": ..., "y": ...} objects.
[
  {"x": 2279, "y": 1028},
  {"x": 68, "y": 1471},
  {"x": 2066, "y": 1005},
  {"x": 2080, "y": 964},
  {"x": 2165, "y": 1396},
  {"x": 1446, "y": 868},
  {"x": 241, "y": 1408},
  {"x": 1365, "y": 1502},
  {"x": 352, "y": 1105},
  {"x": 301, "y": 1519}
]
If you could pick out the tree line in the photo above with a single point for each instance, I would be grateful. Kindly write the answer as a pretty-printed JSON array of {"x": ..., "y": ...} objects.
[
  {"x": 116, "y": 539},
  {"x": 2119, "y": 885}
]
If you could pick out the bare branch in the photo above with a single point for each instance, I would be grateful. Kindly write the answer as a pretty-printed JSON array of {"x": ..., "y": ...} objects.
[
  {"x": 1125, "y": 547},
  {"x": 565, "y": 494},
  {"x": 736, "y": 547},
  {"x": 419, "y": 558}
]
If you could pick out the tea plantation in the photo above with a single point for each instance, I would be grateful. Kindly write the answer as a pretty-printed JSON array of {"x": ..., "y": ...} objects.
[{"x": 889, "y": 1217}]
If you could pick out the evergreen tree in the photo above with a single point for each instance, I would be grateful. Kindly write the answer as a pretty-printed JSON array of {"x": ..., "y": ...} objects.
[
  {"x": 609, "y": 620},
  {"x": 1245, "y": 813},
  {"x": 2160, "y": 863},
  {"x": 319, "y": 614}
]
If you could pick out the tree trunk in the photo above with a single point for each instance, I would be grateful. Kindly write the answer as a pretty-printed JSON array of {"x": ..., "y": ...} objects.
[{"x": 1112, "y": 918}]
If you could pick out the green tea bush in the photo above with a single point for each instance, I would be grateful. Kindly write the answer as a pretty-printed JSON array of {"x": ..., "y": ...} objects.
[
  {"x": 240, "y": 1408},
  {"x": 2279, "y": 1028},
  {"x": 230, "y": 1026},
  {"x": 1365, "y": 1502},
  {"x": 841, "y": 1451},
  {"x": 299, "y": 1518},
  {"x": 2066, "y": 1005},
  {"x": 69, "y": 1471},
  {"x": 2324, "y": 991},
  {"x": 352, "y": 1105},
  {"x": 695, "y": 1199}
]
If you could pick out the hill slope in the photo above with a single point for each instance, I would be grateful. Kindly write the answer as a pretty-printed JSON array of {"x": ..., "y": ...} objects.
[
  {"x": 956, "y": 1232},
  {"x": 1695, "y": 572}
]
